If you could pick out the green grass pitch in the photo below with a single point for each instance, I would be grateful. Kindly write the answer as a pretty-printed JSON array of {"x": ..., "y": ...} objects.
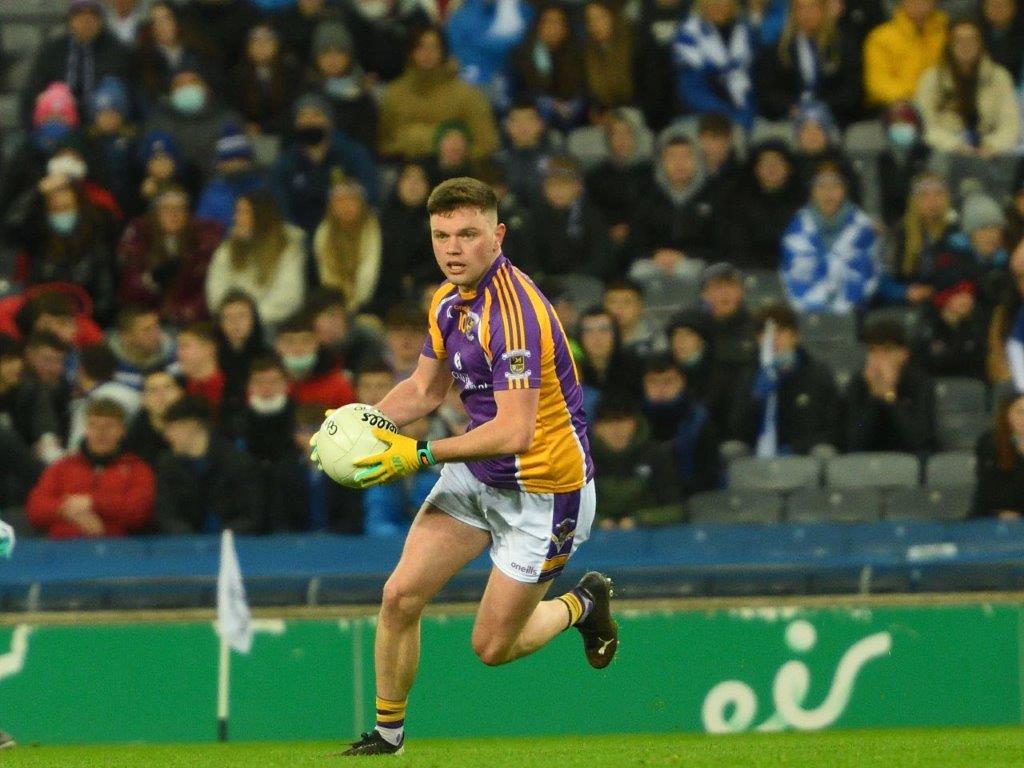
[{"x": 932, "y": 748}]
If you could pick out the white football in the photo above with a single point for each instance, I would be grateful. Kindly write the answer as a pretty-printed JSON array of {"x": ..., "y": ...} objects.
[{"x": 347, "y": 436}]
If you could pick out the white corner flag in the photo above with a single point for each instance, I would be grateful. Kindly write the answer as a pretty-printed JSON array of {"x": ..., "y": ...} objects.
[{"x": 234, "y": 624}]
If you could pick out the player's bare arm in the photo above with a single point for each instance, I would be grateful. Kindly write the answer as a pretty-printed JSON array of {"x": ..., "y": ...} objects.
[{"x": 418, "y": 395}]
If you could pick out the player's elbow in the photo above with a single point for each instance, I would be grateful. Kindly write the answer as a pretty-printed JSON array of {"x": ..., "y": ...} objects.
[{"x": 520, "y": 439}]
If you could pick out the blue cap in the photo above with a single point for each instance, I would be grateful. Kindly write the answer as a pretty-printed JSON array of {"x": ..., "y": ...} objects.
[
  {"x": 233, "y": 144},
  {"x": 110, "y": 94},
  {"x": 157, "y": 142}
]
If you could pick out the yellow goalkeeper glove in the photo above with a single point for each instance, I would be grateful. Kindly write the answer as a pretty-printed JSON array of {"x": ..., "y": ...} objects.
[{"x": 402, "y": 457}]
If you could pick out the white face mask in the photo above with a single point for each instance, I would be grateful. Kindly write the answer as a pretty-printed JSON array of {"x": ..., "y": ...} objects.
[
  {"x": 268, "y": 406},
  {"x": 72, "y": 167}
]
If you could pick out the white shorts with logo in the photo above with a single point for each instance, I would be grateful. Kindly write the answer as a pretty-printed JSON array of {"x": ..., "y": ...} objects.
[{"x": 533, "y": 535}]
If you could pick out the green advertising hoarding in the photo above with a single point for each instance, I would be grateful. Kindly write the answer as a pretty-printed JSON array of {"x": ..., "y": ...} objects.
[{"x": 718, "y": 670}]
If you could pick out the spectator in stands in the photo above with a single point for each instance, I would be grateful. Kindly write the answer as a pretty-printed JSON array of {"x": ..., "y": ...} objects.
[
  {"x": 389, "y": 509},
  {"x": 818, "y": 141},
  {"x": 574, "y": 235},
  {"x": 25, "y": 405},
  {"x": 952, "y": 333},
  {"x": 635, "y": 474},
  {"x": 347, "y": 245},
  {"x": 164, "y": 257},
  {"x": 68, "y": 161},
  {"x": 618, "y": 183},
  {"x": 305, "y": 169},
  {"x": 730, "y": 326},
  {"x": 263, "y": 83},
  {"x": 624, "y": 300},
  {"x": 100, "y": 490},
  {"x": 61, "y": 312},
  {"x": 513, "y": 211},
  {"x": 857, "y": 19},
  {"x": 403, "y": 328},
  {"x": 714, "y": 56},
  {"x": 766, "y": 18},
  {"x": 240, "y": 340},
  {"x": 677, "y": 419},
  {"x": 813, "y": 61},
  {"x": 193, "y": 114},
  {"x": 162, "y": 166},
  {"x": 607, "y": 56},
  {"x": 298, "y": 24},
  {"x": 528, "y": 144},
  {"x": 1004, "y": 319},
  {"x": 314, "y": 374},
  {"x": 302, "y": 497},
  {"x": 19, "y": 469},
  {"x": 227, "y": 22},
  {"x": 349, "y": 341},
  {"x": 450, "y": 156},
  {"x": 717, "y": 152},
  {"x": 268, "y": 417},
  {"x": 139, "y": 344},
  {"x": 383, "y": 30},
  {"x": 237, "y": 175},
  {"x": 1000, "y": 470},
  {"x": 655, "y": 31},
  {"x": 95, "y": 381},
  {"x": 689, "y": 344},
  {"x": 793, "y": 397},
  {"x": 678, "y": 212},
  {"x": 830, "y": 251},
  {"x": 406, "y": 255},
  {"x": 899, "y": 51},
  {"x": 145, "y": 436},
  {"x": 427, "y": 94},
  {"x": 340, "y": 80},
  {"x": 204, "y": 484},
  {"x": 607, "y": 368},
  {"x": 984, "y": 223},
  {"x": 125, "y": 19},
  {"x": 74, "y": 244},
  {"x": 111, "y": 145},
  {"x": 905, "y": 156},
  {"x": 1015, "y": 212},
  {"x": 197, "y": 364},
  {"x": 263, "y": 256},
  {"x": 549, "y": 69},
  {"x": 166, "y": 42},
  {"x": 766, "y": 199},
  {"x": 967, "y": 101},
  {"x": 891, "y": 405},
  {"x": 927, "y": 248},
  {"x": 482, "y": 35},
  {"x": 1004, "y": 35},
  {"x": 80, "y": 58}
]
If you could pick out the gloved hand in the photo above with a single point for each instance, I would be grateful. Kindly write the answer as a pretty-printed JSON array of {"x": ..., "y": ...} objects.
[{"x": 403, "y": 456}]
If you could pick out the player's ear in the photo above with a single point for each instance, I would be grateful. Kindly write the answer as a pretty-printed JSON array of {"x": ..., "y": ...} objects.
[{"x": 499, "y": 234}]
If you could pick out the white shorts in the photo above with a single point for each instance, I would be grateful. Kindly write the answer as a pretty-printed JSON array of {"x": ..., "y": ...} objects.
[{"x": 533, "y": 535}]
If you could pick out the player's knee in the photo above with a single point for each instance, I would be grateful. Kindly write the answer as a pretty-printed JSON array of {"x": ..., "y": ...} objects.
[
  {"x": 491, "y": 650},
  {"x": 400, "y": 602}
]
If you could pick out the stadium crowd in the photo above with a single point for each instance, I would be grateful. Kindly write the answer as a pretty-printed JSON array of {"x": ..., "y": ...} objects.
[{"x": 214, "y": 217}]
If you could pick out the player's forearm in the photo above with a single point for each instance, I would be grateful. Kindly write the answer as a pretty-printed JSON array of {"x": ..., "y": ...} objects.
[
  {"x": 495, "y": 438},
  {"x": 409, "y": 401}
]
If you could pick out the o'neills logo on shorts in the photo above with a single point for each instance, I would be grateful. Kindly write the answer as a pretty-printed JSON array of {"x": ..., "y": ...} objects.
[{"x": 528, "y": 570}]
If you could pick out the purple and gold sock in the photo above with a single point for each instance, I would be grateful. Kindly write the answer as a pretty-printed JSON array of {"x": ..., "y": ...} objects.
[
  {"x": 578, "y": 603},
  {"x": 391, "y": 720}
]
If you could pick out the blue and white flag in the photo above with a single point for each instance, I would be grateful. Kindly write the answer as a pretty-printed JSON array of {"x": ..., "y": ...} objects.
[{"x": 234, "y": 623}]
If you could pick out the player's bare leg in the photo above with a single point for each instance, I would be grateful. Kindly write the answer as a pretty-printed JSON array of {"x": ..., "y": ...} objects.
[
  {"x": 514, "y": 620},
  {"x": 438, "y": 546}
]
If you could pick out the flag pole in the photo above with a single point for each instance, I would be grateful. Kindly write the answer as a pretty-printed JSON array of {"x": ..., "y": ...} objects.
[{"x": 223, "y": 688}]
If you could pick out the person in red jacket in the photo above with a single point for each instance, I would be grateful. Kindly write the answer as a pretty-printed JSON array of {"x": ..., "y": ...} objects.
[
  {"x": 99, "y": 491},
  {"x": 314, "y": 375},
  {"x": 197, "y": 362}
]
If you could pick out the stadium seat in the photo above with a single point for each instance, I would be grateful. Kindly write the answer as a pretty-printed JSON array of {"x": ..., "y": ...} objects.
[
  {"x": 828, "y": 329},
  {"x": 265, "y": 149},
  {"x": 769, "y": 130},
  {"x": 674, "y": 293},
  {"x": 961, "y": 395},
  {"x": 882, "y": 469},
  {"x": 817, "y": 505},
  {"x": 845, "y": 358},
  {"x": 960, "y": 431},
  {"x": 588, "y": 145},
  {"x": 735, "y": 507},
  {"x": 866, "y": 137},
  {"x": 763, "y": 286},
  {"x": 783, "y": 474},
  {"x": 584, "y": 291},
  {"x": 909, "y": 316},
  {"x": 952, "y": 503},
  {"x": 35, "y": 8},
  {"x": 20, "y": 40},
  {"x": 951, "y": 468}
]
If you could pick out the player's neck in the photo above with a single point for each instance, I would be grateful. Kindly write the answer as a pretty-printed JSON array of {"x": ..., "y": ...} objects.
[{"x": 469, "y": 292}]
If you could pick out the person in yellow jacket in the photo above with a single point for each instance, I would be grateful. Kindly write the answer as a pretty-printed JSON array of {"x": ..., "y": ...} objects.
[
  {"x": 426, "y": 95},
  {"x": 898, "y": 52}
]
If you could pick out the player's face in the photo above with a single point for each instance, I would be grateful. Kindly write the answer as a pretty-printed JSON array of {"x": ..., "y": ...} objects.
[{"x": 466, "y": 242}]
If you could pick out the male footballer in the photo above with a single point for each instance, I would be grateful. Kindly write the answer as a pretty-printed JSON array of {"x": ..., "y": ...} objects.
[{"x": 519, "y": 481}]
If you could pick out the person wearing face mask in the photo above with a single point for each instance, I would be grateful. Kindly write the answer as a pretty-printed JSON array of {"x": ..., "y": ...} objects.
[
  {"x": 262, "y": 83},
  {"x": 69, "y": 161},
  {"x": 800, "y": 390},
  {"x": 906, "y": 155},
  {"x": 313, "y": 374},
  {"x": 237, "y": 175},
  {"x": 80, "y": 57},
  {"x": 164, "y": 258},
  {"x": 316, "y": 156},
  {"x": 1000, "y": 470},
  {"x": 340, "y": 79},
  {"x": 268, "y": 418},
  {"x": 192, "y": 114}
]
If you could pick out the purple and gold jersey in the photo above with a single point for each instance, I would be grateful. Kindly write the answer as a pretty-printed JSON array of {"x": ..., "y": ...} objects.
[{"x": 506, "y": 335}]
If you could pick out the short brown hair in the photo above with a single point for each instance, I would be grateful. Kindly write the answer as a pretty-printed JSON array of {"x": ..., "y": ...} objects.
[
  {"x": 780, "y": 314},
  {"x": 462, "y": 192},
  {"x": 104, "y": 406}
]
